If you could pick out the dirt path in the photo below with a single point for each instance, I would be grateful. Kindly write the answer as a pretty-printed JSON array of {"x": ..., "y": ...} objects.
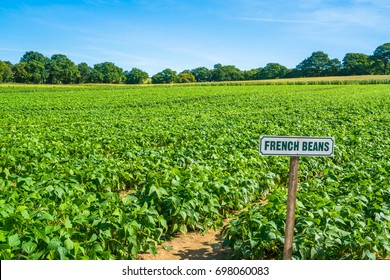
[{"x": 191, "y": 246}]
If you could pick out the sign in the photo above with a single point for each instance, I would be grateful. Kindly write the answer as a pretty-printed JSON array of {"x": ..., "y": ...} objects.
[{"x": 296, "y": 146}]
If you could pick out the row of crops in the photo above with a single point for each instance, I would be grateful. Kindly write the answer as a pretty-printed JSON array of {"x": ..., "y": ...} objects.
[{"x": 107, "y": 172}]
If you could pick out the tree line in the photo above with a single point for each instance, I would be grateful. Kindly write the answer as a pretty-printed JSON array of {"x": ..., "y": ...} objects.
[{"x": 35, "y": 68}]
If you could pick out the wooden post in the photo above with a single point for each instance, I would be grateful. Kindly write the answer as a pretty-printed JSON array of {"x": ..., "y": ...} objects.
[{"x": 292, "y": 194}]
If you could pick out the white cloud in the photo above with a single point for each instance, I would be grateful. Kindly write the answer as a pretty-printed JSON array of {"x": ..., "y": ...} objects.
[
  {"x": 276, "y": 20},
  {"x": 354, "y": 14},
  {"x": 11, "y": 50},
  {"x": 194, "y": 52},
  {"x": 353, "y": 17},
  {"x": 385, "y": 4}
]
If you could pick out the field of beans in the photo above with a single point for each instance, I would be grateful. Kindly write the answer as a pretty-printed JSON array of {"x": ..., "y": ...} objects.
[{"x": 108, "y": 172}]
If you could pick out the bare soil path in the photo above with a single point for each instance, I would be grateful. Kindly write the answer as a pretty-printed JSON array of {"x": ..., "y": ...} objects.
[{"x": 191, "y": 246}]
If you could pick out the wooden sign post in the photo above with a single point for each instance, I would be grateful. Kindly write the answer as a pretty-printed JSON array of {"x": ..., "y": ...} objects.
[
  {"x": 290, "y": 215},
  {"x": 294, "y": 147}
]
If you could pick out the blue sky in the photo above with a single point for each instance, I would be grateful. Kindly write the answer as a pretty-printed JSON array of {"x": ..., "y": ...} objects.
[{"x": 182, "y": 34}]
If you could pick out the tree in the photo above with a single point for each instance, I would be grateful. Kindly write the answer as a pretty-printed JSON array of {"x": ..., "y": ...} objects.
[
  {"x": 334, "y": 68},
  {"x": 62, "y": 70},
  {"x": 166, "y": 76},
  {"x": 293, "y": 73},
  {"x": 356, "y": 64},
  {"x": 135, "y": 76},
  {"x": 226, "y": 73},
  {"x": 252, "y": 74},
  {"x": 36, "y": 67},
  {"x": 107, "y": 72},
  {"x": 318, "y": 64},
  {"x": 186, "y": 77},
  {"x": 21, "y": 75},
  {"x": 6, "y": 73},
  {"x": 85, "y": 73},
  {"x": 382, "y": 55},
  {"x": 273, "y": 71},
  {"x": 201, "y": 74}
]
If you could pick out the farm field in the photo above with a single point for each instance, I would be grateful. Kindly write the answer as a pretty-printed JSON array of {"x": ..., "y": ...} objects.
[{"x": 108, "y": 172}]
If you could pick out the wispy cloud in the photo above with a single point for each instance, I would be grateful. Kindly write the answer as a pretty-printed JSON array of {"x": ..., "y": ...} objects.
[
  {"x": 100, "y": 3},
  {"x": 123, "y": 58},
  {"x": 276, "y": 20},
  {"x": 356, "y": 16},
  {"x": 195, "y": 52},
  {"x": 11, "y": 50},
  {"x": 351, "y": 17},
  {"x": 385, "y": 4}
]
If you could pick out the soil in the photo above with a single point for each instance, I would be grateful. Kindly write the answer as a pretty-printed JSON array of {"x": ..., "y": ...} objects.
[{"x": 191, "y": 246}]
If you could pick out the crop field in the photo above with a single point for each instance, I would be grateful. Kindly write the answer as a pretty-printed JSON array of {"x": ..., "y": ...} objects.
[{"x": 108, "y": 172}]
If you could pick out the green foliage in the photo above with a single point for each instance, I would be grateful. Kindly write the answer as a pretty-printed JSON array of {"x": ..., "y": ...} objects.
[
  {"x": 382, "y": 55},
  {"x": 201, "y": 74},
  {"x": 226, "y": 73},
  {"x": 136, "y": 76},
  {"x": 21, "y": 74},
  {"x": 85, "y": 73},
  {"x": 6, "y": 74},
  {"x": 356, "y": 64},
  {"x": 185, "y": 77},
  {"x": 273, "y": 71},
  {"x": 62, "y": 70},
  {"x": 317, "y": 65},
  {"x": 252, "y": 74},
  {"x": 35, "y": 66},
  {"x": 167, "y": 76},
  {"x": 107, "y": 172},
  {"x": 342, "y": 206},
  {"x": 107, "y": 72}
]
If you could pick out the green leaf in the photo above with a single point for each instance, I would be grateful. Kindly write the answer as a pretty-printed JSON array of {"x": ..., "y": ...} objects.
[
  {"x": 14, "y": 240},
  {"x": 2, "y": 236},
  {"x": 29, "y": 247},
  {"x": 183, "y": 228},
  {"x": 93, "y": 238},
  {"x": 163, "y": 222},
  {"x": 69, "y": 244},
  {"x": 134, "y": 250},
  {"x": 152, "y": 249},
  {"x": 21, "y": 208},
  {"x": 59, "y": 191},
  {"x": 97, "y": 248},
  {"x": 313, "y": 253},
  {"x": 370, "y": 255},
  {"x": 54, "y": 244},
  {"x": 68, "y": 223},
  {"x": 25, "y": 214},
  {"x": 50, "y": 229},
  {"x": 168, "y": 248},
  {"x": 62, "y": 251},
  {"x": 28, "y": 181},
  {"x": 273, "y": 225},
  {"x": 183, "y": 214},
  {"x": 300, "y": 204},
  {"x": 116, "y": 212},
  {"x": 271, "y": 236},
  {"x": 46, "y": 216}
]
